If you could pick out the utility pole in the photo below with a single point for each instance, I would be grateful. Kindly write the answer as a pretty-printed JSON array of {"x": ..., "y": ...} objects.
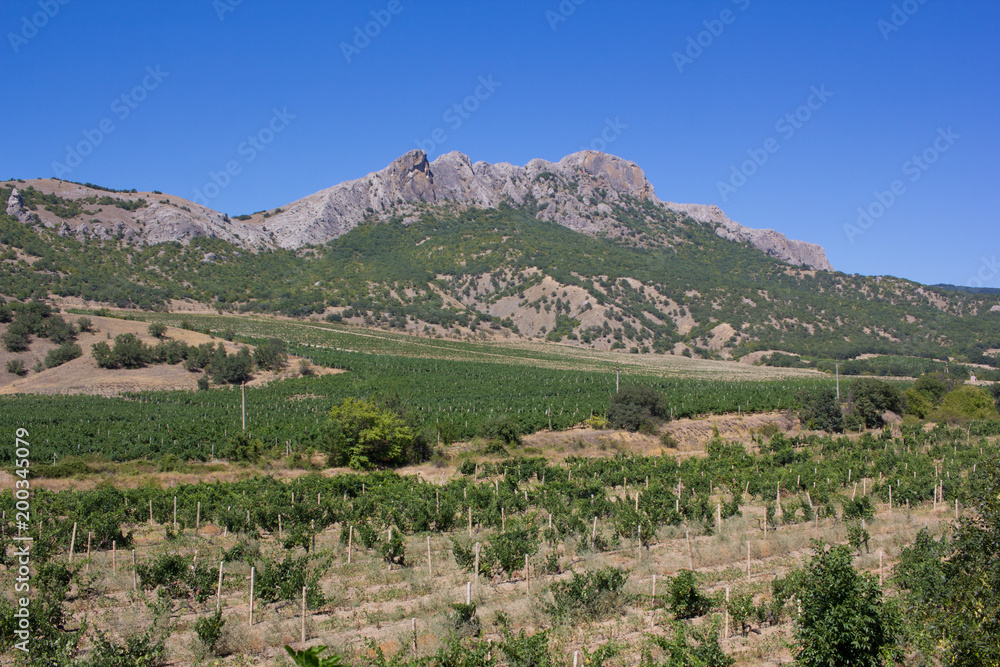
[
  {"x": 618, "y": 367},
  {"x": 838, "y": 380},
  {"x": 243, "y": 393}
]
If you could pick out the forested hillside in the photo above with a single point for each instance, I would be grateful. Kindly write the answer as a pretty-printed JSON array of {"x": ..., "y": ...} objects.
[{"x": 656, "y": 282}]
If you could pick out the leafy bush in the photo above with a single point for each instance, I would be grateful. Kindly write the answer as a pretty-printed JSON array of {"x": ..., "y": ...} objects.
[
  {"x": 313, "y": 656},
  {"x": 504, "y": 429},
  {"x": 360, "y": 434},
  {"x": 684, "y": 597},
  {"x": 62, "y": 354},
  {"x": 965, "y": 403},
  {"x": 136, "y": 651},
  {"x": 285, "y": 580},
  {"x": 209, "y": 630},
  {"x": 861, "y": 507},
  {"x": 634, "y": 407},
  {"x": 271, "y": 355},
  {"x": 679, "y": 651},
  {"x": 844, "y": 618},
  {"x": 820, "y": 409},
  {"x": 590, "y": 595},
  {"x": 16, "y": 366},
  {"x": 157, "y": 329},
  {"x": 176, "y": 577}
]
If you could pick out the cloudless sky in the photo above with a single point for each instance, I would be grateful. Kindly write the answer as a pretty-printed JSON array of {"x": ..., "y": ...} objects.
[{"x": 689, "y": 90}]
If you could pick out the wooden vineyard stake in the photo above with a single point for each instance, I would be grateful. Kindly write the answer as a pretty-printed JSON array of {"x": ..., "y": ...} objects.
[
  {"x": 470, "y": 520},
  {"x": 413, "y": 626},
  {"x": 89, "y": 535},
  {"x": 687, "y": 534},
  {"x": 748, "y": 561},
  {"x": 135, "y": 574},
  {"x": 72, "y": 542},
  {"x": 114, "y": 559},
  {"x": 197, "y": 518},
  {"x": 218, "y": 590},
  {"x": 350, "y": 541},
  {"x": 279, "y": 527},
  {"x": 468, "y": 592},
  {"x": 527, "y": 577},
  {"x": 430, "y": 567},
  {"x": 726, "y": 634},
  {"x": 253, "y": 573},
  {"x": 303, "y": 613},
  {"x": 175, "y": 514},
  {"x": 879, "y": 567},
  {"x": 151, "y": 511}
]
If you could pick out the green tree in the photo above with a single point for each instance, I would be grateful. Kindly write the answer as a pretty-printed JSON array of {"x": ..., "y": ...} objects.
[
  {"x": 271, "y": 355},
  {"x": 635, "y": 407},
  {"x": 964, "y": 403},
  {"x": 820, "y": 409},
  {"x": 844, "y": 619},
  {"x": 158, "y": 329},
  {"x": 953, "y": 586},
  {"x": 870, "y": 399},
  {"x": 361, "y": 435},
  {"x": 129, "y": 351}
]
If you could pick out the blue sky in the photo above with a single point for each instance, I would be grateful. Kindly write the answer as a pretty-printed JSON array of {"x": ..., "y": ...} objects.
[{"x": 787, "y": 114}]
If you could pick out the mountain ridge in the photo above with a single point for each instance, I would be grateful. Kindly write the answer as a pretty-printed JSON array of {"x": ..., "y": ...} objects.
[{"x": 579, "y": 192}]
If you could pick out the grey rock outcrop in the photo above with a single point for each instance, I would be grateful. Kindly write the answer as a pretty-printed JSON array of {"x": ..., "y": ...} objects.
[
  {"x": 454, "y": 179},
  {"x": 563, "y": 191},
  {"x": 15, "y": 207},
  {"x": 775, "y": 244}
]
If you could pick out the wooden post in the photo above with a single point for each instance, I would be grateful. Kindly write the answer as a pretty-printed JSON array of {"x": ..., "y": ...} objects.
[
  {"x": 350, "y": 542},
  {"x": 72, "y": 542},
  {"x": 197, "y": 518},
  {"x": 745, "y": 489},
  {"x": 718, "y": 516},
  {"x": 777, "y": 501},
  {"x": 593, "y": 533},
  {"x": 175, "y": 514},
  {"x": 576, "y": 659},
  {"x": 956, "y": 508},
  {"x": 303, "y": 613},
  {"x": 279, "y": 527},
  {"x": 114, "y": 559},
  {"x": 253, "y": 573},
  {"x": 135, "y": 575},
  {"x": 748, "y": 561},
  {"x": 468, "y": 592},
  {"x": 150, "y": 511},
  {"x": 890, "y": 497},
  {"x": 470, "y": 520},
  {"x": 527, "y": 576},
  {"x": 413, "y": 626},
  {"x": 726, "y": 635},
  {"x": 503, "y": 520},
  {"x": 218, "y": 590},
  {"x": 477, "y": 563},
  {"x": 879, "y": 567},
  {"x": 687, "y": 534},
  {"x": 430, "y": 567},
  {"x": 89, "y": 535}
]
